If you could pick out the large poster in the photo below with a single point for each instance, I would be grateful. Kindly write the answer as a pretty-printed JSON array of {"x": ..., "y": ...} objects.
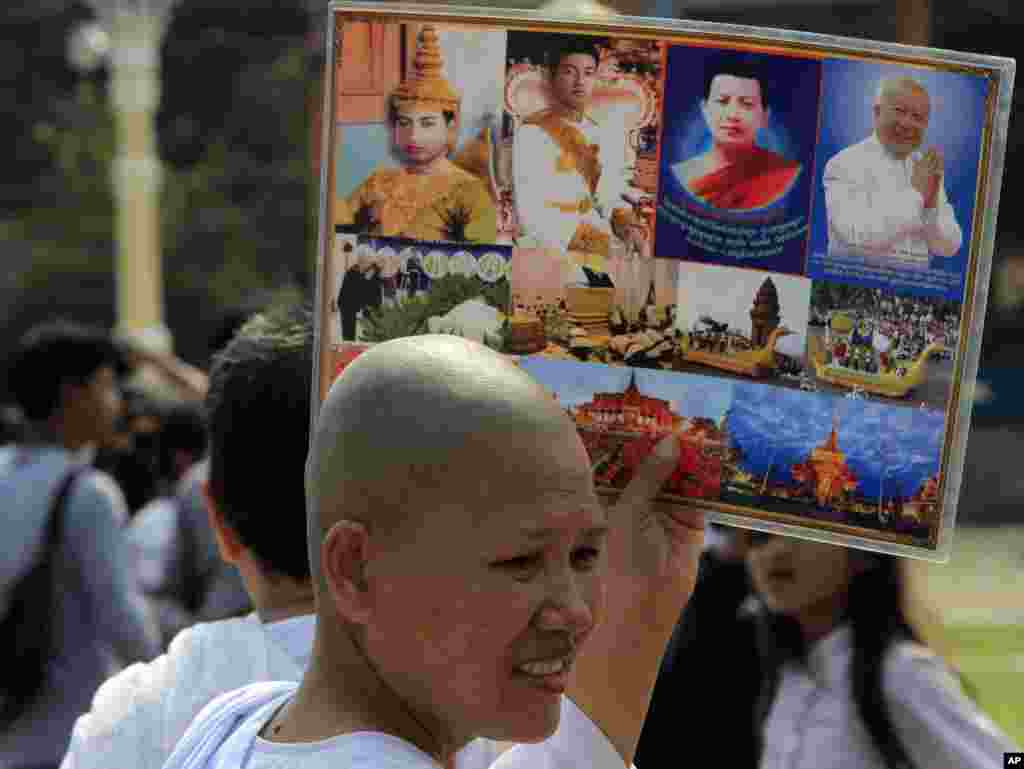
[{"x": 772, "y": 251}]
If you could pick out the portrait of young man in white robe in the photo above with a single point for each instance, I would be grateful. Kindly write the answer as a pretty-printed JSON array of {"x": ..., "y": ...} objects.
[{"x": 574, "y": 159}]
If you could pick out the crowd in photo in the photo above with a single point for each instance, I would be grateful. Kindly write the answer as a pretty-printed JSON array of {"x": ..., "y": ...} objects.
[{"x": 911, "y": 322}]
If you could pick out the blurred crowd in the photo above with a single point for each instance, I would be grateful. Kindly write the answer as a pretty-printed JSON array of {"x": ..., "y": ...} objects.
[{"x": 135, "y": 527}]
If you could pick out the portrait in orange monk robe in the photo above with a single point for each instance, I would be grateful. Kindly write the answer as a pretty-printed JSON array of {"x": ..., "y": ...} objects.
[{"x": 735, "y": 173}]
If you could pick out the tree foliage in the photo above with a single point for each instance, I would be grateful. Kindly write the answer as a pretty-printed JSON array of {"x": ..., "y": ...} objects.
[{"x": 236, "y": 211}]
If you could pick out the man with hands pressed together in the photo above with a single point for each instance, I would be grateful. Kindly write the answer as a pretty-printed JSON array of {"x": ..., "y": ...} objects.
[
  {"x": 470, "y": 583},
  {"x": 886, "y": 200}
]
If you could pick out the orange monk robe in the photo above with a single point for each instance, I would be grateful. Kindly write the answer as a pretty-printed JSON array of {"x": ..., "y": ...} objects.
[{"x": 758, "y": 180}]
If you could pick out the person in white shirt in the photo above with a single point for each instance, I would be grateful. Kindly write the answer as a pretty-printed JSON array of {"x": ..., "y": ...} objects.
[
  {"x": 70, "y": 612},
  {"x": 459, "y": 553},
  {"x": 885, "y": 198},
  {"x": 849, "y": 681},
  {"x": 572, "y": 174}
]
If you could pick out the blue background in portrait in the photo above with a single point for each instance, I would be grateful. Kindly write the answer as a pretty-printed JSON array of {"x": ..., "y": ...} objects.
[
  {"x": 956, "y": 124},
  {"x": 793, "y": 86}
]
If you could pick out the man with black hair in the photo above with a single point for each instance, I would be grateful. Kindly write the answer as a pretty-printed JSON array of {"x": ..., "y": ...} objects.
[
  {"x": 130, "y": 457},
  {"x": 164, "y": 545},
  {"x": 62, "y": 376},
  {"x": 256, "y": 506},
  {"x": 182, "y": 441},
  {"x": 189, "y": 557},
  {"x": 735, "y": 173},
  {"x": 223, "y": 594},
  {"x": 572, "y": 172}
]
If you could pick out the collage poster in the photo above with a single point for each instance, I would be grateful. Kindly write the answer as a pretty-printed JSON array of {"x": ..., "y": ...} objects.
[{"x": 764, "y": 254}]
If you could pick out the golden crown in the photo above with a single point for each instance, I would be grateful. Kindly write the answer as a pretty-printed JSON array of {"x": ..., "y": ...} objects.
[{"x": 427, "y": 86}]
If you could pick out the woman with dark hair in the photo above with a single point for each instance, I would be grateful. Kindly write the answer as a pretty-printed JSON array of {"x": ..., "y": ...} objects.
[{"x": 849, "y": 683}]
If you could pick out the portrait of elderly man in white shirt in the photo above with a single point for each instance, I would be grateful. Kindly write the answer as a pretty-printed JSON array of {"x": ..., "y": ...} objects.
[{"x": 885, "y": 197}]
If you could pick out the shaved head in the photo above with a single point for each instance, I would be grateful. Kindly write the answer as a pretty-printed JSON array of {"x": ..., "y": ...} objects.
[
  {"x": 420, "y": 423},
  {"x": 455, "y": 535}
]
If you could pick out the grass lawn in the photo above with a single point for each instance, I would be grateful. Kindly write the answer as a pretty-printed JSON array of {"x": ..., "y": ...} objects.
[
  {"x": 980, "y": 596},
  {"x": 992, "y": 660}
]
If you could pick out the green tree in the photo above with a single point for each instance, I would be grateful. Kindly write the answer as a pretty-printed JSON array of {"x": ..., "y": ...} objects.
[{"x": 237, "y": 213}]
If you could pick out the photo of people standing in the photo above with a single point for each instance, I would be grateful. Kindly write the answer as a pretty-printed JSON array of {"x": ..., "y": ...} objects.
[
  {"x": 360, "y": 289},
  {"x": 395, "y": 287}
]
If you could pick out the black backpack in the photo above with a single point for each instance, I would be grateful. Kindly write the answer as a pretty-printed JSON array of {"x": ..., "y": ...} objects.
[{"x": 26, "y": 631}]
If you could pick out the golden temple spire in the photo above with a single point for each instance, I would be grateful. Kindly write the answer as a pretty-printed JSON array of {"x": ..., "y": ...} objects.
[{"x": 832, "y": 444}]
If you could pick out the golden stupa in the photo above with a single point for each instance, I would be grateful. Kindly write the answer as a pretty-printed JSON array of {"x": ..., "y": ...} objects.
[{"x": 831, "y": 474}]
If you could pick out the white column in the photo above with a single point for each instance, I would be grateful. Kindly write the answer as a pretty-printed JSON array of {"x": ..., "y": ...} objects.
[{"x": 135, "y": 93}]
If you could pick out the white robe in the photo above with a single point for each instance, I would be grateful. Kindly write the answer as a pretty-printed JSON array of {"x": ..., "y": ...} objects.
[
  {"x": 541, "y": 188},
  {"x": 139, "y": 715},
  {"x": 539, "y": 184},
  {"x": 226, "y": 736}
]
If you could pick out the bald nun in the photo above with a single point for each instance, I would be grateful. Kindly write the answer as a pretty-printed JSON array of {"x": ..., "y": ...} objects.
[
  {"x": 885, "y": 198},
  {"x": 463, "y": 567}
]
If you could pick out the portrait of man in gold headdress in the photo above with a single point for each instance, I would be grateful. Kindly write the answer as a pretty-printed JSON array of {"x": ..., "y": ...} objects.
[{"x": 424, "y": 195}]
